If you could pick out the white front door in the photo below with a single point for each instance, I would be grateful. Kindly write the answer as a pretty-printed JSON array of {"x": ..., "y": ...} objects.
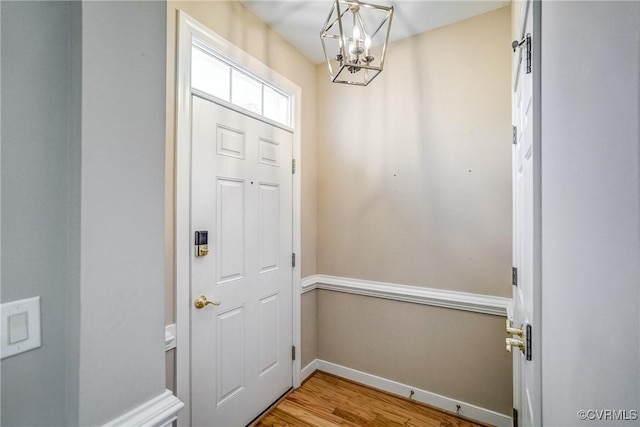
[
  {"x": 526, "y": 178},
  {"x": 241, "y": 192}
]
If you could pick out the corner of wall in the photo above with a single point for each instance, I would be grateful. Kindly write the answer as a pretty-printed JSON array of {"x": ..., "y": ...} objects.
[{"x": 72, "y": 357}]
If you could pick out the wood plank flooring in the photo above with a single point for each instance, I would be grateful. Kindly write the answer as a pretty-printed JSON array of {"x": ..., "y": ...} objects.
[{"x": 325, "y": 400}]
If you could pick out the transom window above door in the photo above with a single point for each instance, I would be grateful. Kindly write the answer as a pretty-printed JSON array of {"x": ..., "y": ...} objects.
[{"x": 218, "y": 78}]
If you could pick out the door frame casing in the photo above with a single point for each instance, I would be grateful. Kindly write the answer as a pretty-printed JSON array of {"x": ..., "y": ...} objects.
[{"x": 188, "y": 28}]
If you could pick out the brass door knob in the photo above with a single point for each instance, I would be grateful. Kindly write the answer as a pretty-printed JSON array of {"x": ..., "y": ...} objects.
[{"x": 201, "y": 302}]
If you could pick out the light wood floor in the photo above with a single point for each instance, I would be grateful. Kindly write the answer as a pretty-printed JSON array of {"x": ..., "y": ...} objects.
[{"x": 325, "y": 400}]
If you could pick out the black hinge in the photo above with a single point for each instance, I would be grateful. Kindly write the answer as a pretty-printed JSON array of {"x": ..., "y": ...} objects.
[
  {"x": 293, "y": 166},
  {"x": 515, "y": 134},
  {"x": 528, "y": 53},
  {"x": 528, "y": 342},
  {"x": 293, "y": 260},
  {"x": 293, "y": 352},
  {"x": 514, "y": 276},
  {"x": 526, "y": 41},
  {"x": 515, "y": 417}
]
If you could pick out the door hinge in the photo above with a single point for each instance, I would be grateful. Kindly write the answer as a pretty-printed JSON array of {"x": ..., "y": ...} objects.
[
  {"x": 526, "y": 41},
  {"x": 514, "y": 276},
  {"x": 293, "y": 166},
  {"x": 515, "y": 417},
  {"x": 515, "y": 134},
  {"x": 293, "y": 260},
  {"x": 293, "y": 352},
  {"x": 528, "y": 349}
]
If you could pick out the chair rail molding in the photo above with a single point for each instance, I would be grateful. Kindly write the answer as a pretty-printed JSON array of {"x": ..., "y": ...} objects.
[
  {"x": 161, "y": 411},
  {"x": 486, "y": 304}
]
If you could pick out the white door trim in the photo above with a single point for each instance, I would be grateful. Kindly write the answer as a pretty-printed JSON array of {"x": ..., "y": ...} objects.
[{"x": 188, "y": 28}]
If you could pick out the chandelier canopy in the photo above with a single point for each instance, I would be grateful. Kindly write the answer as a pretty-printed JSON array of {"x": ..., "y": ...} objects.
[{"x": 354, "y": 40}]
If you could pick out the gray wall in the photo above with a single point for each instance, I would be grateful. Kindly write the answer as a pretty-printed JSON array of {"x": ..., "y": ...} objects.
[
  {"x": 83, "y": 205},
  {"x": 72, "y": 367},
  {"x": 37, "y": 201},
  {"x": 122, "y": 272},
  {"x": 590, "y": 209}
]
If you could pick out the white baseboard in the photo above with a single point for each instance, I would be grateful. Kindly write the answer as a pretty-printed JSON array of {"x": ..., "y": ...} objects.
[
  {"x": 308, "y": 370},
  {"x": 438, "y": 401},
  {"x": 161, "y": 411},
  {"x": 478, "y": 303}
]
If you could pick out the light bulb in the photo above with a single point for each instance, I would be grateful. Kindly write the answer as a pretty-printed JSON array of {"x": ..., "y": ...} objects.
[
  {"x": 356, "y": 33},
  {"x": 367, "y": 45}
]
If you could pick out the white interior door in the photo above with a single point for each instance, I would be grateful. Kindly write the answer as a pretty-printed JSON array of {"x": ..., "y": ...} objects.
[
  {"x": 241, "y": 192},
  {"x": 526, "y": 245}
]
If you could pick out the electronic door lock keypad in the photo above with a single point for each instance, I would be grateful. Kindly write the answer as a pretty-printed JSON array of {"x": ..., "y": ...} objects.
[{"x": 202, "y": 243}]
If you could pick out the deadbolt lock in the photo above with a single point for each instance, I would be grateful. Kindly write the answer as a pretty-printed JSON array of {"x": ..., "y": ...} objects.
[
  {"x": 516, "y": 342},
  {"x": 202, "y": 243},
  {"x": 523, "y": 340},
  {"x": 514, "y": 331}
]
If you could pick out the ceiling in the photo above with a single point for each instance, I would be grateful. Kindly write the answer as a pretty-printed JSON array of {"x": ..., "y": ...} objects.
[{"x": 299, "y": 22}]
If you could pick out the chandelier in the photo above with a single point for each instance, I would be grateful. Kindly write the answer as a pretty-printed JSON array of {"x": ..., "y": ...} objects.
[{"x": 354, "y": 40}]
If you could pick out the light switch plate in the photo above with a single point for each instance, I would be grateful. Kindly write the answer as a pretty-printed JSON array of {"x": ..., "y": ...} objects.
[{"x": 20, "y": 326}]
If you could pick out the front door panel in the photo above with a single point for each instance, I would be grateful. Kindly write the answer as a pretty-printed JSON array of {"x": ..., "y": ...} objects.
[
  {"x": 526, "y": 178},
  {"x": 242, "y": 195}
]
